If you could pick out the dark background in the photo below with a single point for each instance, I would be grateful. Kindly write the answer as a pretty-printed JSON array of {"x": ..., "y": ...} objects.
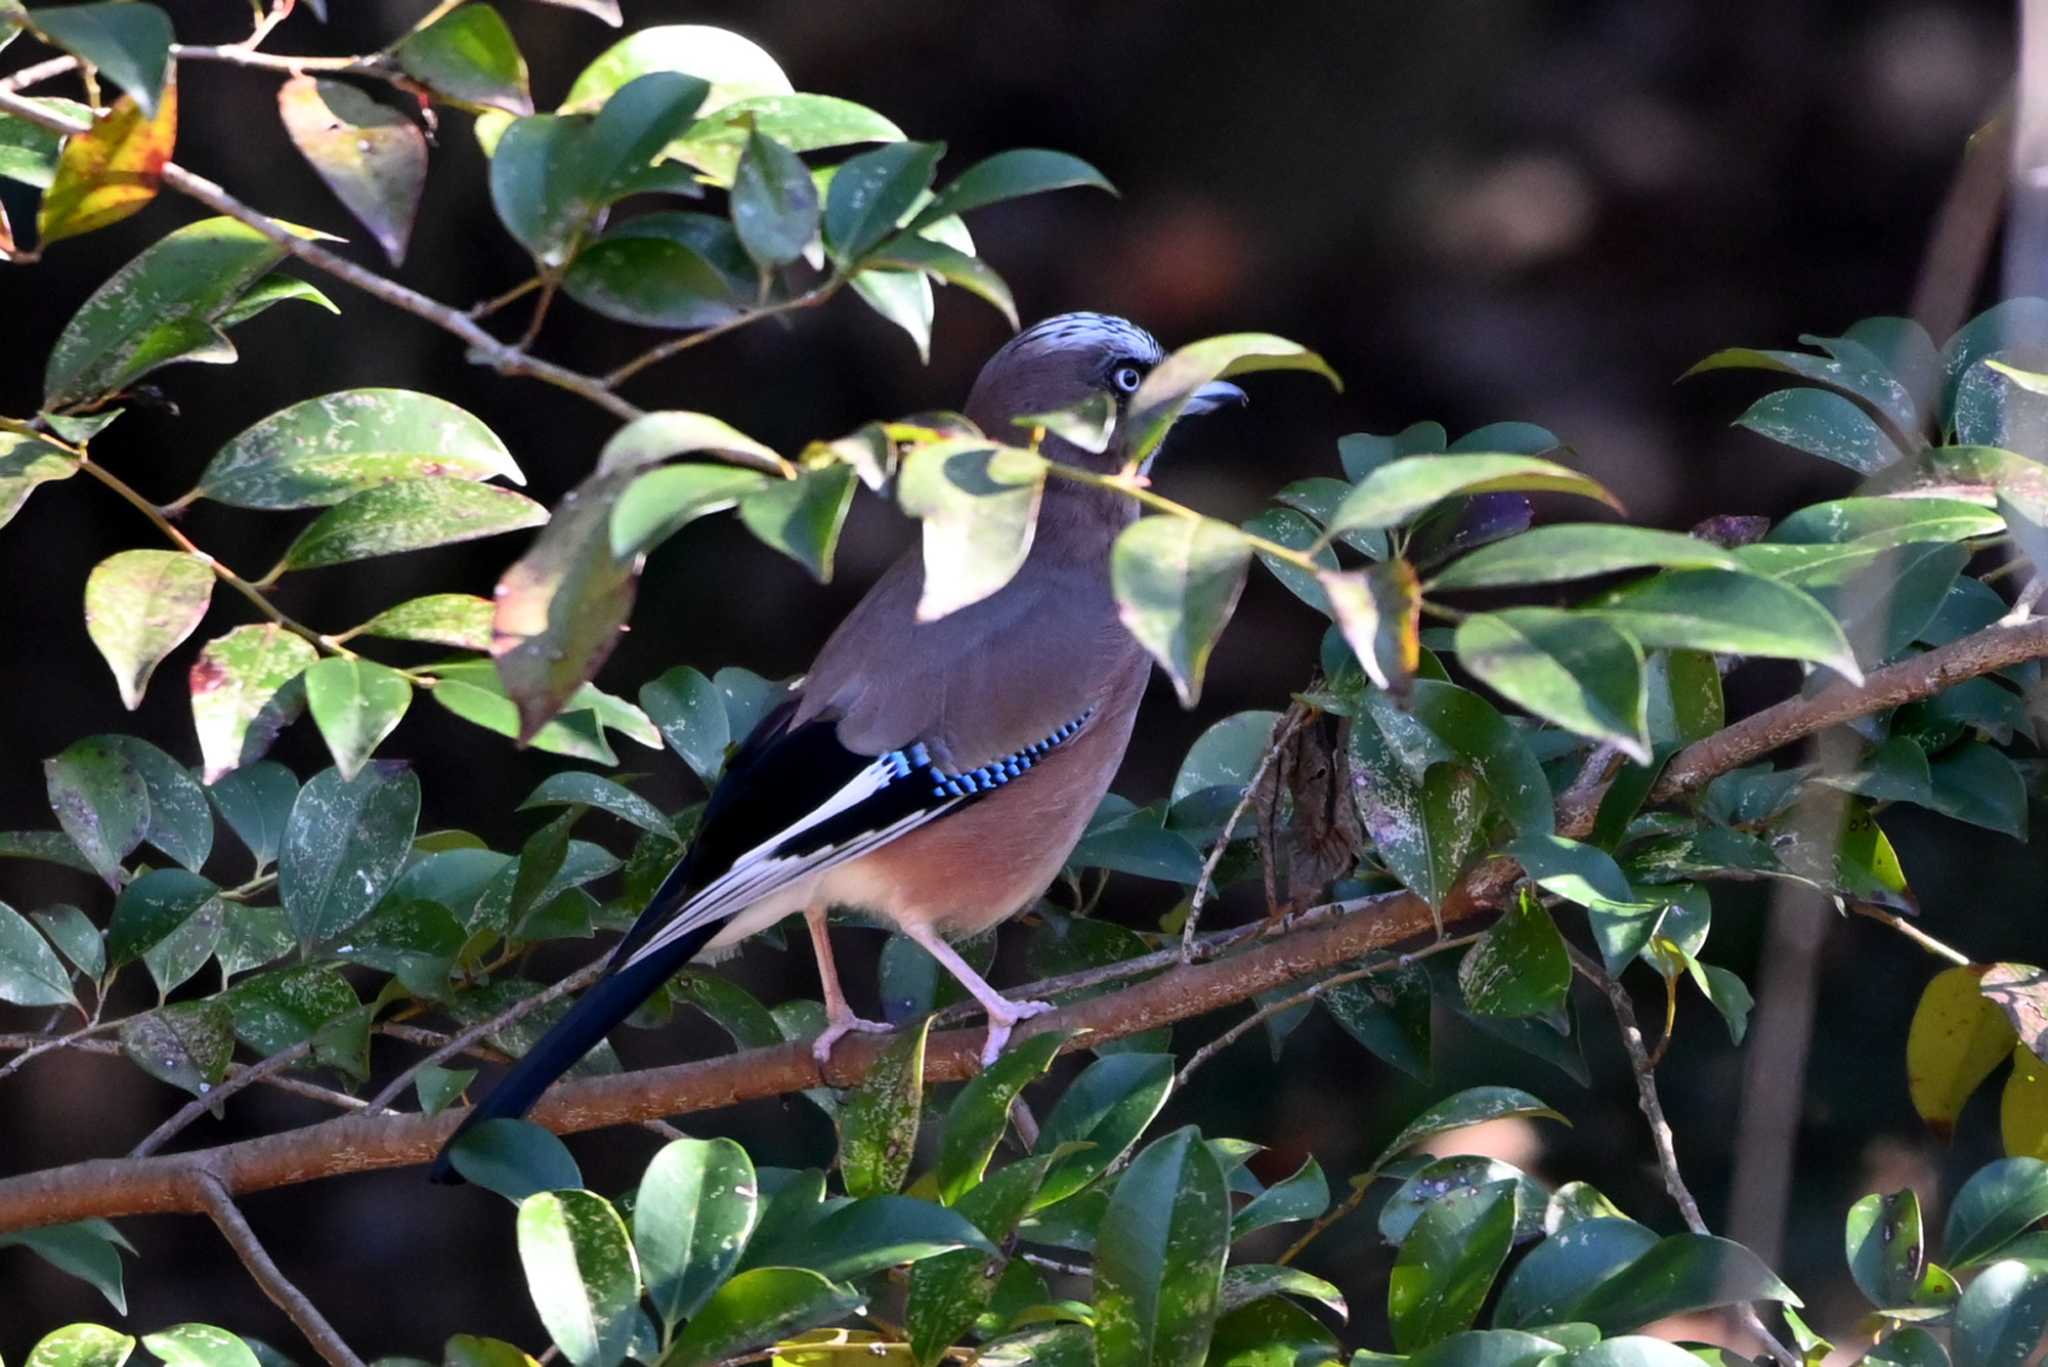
[{"x": 1476, "y": 211}]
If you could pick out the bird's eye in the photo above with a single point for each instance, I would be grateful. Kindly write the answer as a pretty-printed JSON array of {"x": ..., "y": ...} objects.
[{"x": 1126, "y": 378}]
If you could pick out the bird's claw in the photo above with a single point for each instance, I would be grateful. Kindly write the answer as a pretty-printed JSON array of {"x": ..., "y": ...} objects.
[
  {"x": 1000, "y": 1023},
  {"x": 821, "y": 1047}
]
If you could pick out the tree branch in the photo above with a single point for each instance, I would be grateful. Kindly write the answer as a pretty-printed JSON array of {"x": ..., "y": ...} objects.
[{"x": 269, "y": 1276}]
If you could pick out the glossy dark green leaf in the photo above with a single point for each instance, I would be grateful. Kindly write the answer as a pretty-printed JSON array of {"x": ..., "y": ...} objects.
[
  {"x": 471, "y": 690},
  {"x": 1010, "y": 175},
  {"x": 666, "y": 270},
  {"x": 871, "y": 191},
  {"x": 1910, "y": 1346},
  {"x": 30, "y": 972},
  {"x": 948, "y": 1292},
  {"x": 1734, "y": 613},
  {"x": 761, "y": 1305},
  {"x": 1159, "y": 1258},
  {"x": 1999, "y": 1202},
  {"x": 869, "y": 1234},
  {"x": 187, "y": 1044},
  {"x": 581, "y": 1274},
  {"x": 1469, "y": 1107},
  {"x": 410, "y": 515},
  {"x": 947, "y": 265},
  {"x": 515, "y": 1158},
  {"x": 273, "y": 1011},
  {"x": 1547, "y": 1285},
  {"x": 73, "y": 932},
  {"x": 1396, "y": 492},
  {"x": 1423, "y": 831},
  {"x": 356, "y": 703},
  {"x": 691, "y": 714},
  {"x": 320, "y": 451},
  {"x": 139, "y": 606},
  {"x": 256, "y": 801},
  {"x": 2002, "y": 1315},
  {"x": 980, "y": 1113},
  {"x": 1481, "y": 737},
  {"x": 1519, "y": 967},
  {"x": 1570, "y": 668},
  {"x": 87, "y": 1249},
  {"x": 801, "y": 517},
  {"x": 100, "y": 800},
  {"x": 1461, "y": 1172},
  {"x": 1447, "y": 1264},
  {"x": 775, "y": 205},
  {"x": 1886, "y": 1247},
  {"x": 1679, "y": 1274},
  {"x": 1389, "y": 1014},
  {"x": 1107, "y": 1107},
  {"x": 344, "y": 843},
  {"x": 470, "y": 57},
  {"x": 1824, "y": 424},
  {"x": 1303, "y": 1196},
  {"x": 1579, "y": 550},
  {"x": 695, "y": 1209},
  {"x": 129, "y": 44},
  {"x": 575, "y": 788},
  {"x": 658, "y": 504},
  {"x": 180, "y": 820},
  {"x": 1976, "y": 783}
]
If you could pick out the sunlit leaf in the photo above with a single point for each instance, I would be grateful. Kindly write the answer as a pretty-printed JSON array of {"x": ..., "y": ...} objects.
[
  {"x": 1176, "y": 582},
  {"x": 1379, "y": 610},
  {"x": 468, "y": 56},
  {"x": 356, "y": 703},
  {"x": 1160, "y": 1255},
  {"x": 1548, "y": 555},
  {"x": 1570, "y": 668},
  {"x": 581, "y": 1273},
  {"x": 979, "y": 509},
  {"x": 410, "y": 515},
  {"x": 695, "y": 1208},
  {"x": 1957, "y": 1037},
  {"x": 237, "y": 683},
  {"x": 367, "y": 152},
  {"x": 1172, "y": 384},
  {"x": 139, "y": 606},
  {"x": 112, "y": 171},
  {"x": 451, "y": 619}
]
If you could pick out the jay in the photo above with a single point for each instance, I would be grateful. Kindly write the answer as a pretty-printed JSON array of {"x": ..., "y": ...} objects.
[{"x": 935, "y": 774}]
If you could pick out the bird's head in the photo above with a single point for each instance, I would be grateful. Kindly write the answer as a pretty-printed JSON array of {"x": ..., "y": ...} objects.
[{"x": 1067, "y": 362}]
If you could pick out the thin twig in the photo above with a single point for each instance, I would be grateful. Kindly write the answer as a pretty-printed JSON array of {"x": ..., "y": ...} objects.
[
  {"x": 200, "y": 1105},
  {"x": 1286, "y": 727},
  {"x": 283, "y": 64},
  {"x": 1660, "y": 1128},
  {"x": 45, "y": 1045},
  {"x": 301, "y": 1311},
  {"x": 38, "y": 73},
  {"x": 676, "y": 346},
  {"x": 1055, "y": 1265},
  {"x": 1913, "y": 933},
  {"x": 462, "y": 1039}
]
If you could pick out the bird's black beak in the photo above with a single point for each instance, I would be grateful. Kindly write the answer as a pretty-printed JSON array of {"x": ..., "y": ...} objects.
[{"x": 1213, "y": 396}]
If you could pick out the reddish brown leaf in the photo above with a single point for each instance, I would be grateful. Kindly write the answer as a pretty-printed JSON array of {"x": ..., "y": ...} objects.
[
  {"x": 1379, "y": 610},
  {"x": 370, "y": 155},
  {"x": 110, "y": 171}
]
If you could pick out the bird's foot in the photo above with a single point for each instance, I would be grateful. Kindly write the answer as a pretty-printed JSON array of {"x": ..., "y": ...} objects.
[
  {"x": 839, "y": 1028},
  {"x": 1001, "y": 1020}
]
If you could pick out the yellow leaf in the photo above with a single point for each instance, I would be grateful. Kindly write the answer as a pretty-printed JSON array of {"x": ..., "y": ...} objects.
[
  {"x": 2023, "y": 1111},
  {"x": 110, "y": 171},
  {"x": 1957, "y": 1038}
]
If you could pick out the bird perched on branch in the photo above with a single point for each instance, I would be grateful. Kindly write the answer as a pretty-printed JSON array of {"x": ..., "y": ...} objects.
[{"x": 935, "y": 774}]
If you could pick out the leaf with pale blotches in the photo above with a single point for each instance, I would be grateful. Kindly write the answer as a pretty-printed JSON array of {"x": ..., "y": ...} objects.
[
  {"x": 236, "y": 686},
  {"x": 139, "y": 605},
  {"x": 26, "y": 462},
  {"x": 370, "y": 155},
  {"x": 110, "y": 171}
]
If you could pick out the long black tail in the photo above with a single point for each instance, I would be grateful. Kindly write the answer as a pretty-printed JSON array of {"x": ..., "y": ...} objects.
[{"x": 609, "y": 1001}]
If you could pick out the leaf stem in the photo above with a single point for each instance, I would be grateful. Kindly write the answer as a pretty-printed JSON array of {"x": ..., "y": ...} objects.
[
  {"x": 1138, "y": 489},
  {"x": 811, "y": 298}
]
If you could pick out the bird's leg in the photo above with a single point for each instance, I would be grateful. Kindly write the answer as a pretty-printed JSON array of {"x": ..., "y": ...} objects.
[
  {"x": 1003, "y": 1014},
  {"x": 839, "y": 1017}
]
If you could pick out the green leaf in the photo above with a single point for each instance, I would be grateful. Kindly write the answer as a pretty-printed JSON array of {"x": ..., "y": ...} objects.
[
  {"x": 1167, "y": 390},
  {"x": 87, "y": 1249},
  {"x": 471, "y": 690},
  {"x": 344, "y": 843},
  {"x": 274, "y": 1011},
  {"x": 1394, "y": 493},
  {"x": 948, "y": 266},
  {"x": 152, "y": 908},
  {"x": 1578, "y": 550},
  {"x": 256, "y": 800},
  {"x": 1303, "y": 1196},
  {"x": 867, "y": 1235},
  {"x": 1225, "y": 756},
  {"x": 25, "y": 463},
  {"x": 800, "y": 122},
  {"x": 1176, "y": 582},
  {"x": 68, "y": 928},
  {"x": 871, "y": 192},
  {"x": 1823, "y": 424},
  {"x": 948, "y": 1293},
  {"x": 2002, "y": 1314},
  {"x": 1447, "y": 1264},
  {"x": 694, "y": 1212},
  {"x": 658, "y": 504},
  {"x": 166, "y": 304},
  {"x": 1547, "y": 1285},
  {"x": 1730, "y": 612},
  {"x": 1519, "y": 967},
  {"x": 1009, "y": 175},
  {"x": 775, "y": 206},
  {"x": 737, "y": 68},
  {"x": 1455, "y": 1112},
  {"x": 1389, "y": 1014},
  {"x": 470, "y": 57},
  {"x": 1862, "y": 375},
  {"x": 1911, "y": 1346},
  {"x": 581, "y": 1274},
  {"x": 187, "y": 1045},
  {"x": 980, "y": 1113},
  {"x": 801, "y": 517},
  {"x": 1886, "y": 1248},
  {"x": 690, "y": 711},
  {"x": 1481, "y": 737},
  {"x": 100, "y": 801},
  {"x": 655, "y": 437},
  {"x": 979, "y": 510},
  {"x": 1461, "y": 1172},
  {"x": 462, "y": 620},
  {"x": 1106, "y": 1108},
  {"x": 318, "y": 452},
  {"x": 1976, "y": 783},
  {"x": 200, "y": 1345},
  {"x": 410, "y": 515},
  {"x": 239, "y": 697},
  {"x": 1570, "y": 668},
  {"x": 129, "y": 44},
  {"x": 516, "y": 1159},
  {"x": 665, "y": 270},
  {"x": 763, "y": 1305},
  {"x": 366, "y": 151},
  {"x": 139, "y": 605},
  {"x": 30, "y": 972},
  {"x": 180, "y": 822},
  {"x": 1423, "y": 831},
  {"x": 28, "y": 152},
  {"x": 1998, "y": 1204},
  {"x": 1678, "y": 1275},
  {"x": 574, "y": 788},
  {"x": 356, "y": 703},
  {"x": 878, "y": 1121},
  {"x": 1159, "y": 1258},
  {"x": 81, "y": 1345}
]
